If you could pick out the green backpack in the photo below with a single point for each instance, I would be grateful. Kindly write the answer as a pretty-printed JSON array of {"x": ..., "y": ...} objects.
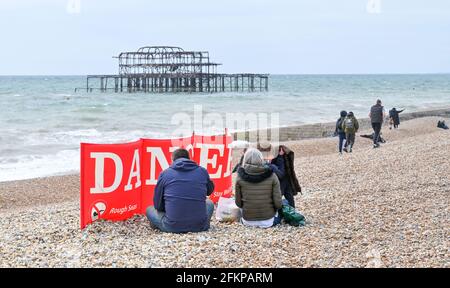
[
  {"x": 349, "y": 124},
  {"x": 292, "y": 217}
]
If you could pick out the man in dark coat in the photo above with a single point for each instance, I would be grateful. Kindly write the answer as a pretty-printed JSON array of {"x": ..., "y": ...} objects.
[
  {"x": 180, "y": 198},
  {"x": 394, "y": 117},
  {"x": 376, "y": 115}
]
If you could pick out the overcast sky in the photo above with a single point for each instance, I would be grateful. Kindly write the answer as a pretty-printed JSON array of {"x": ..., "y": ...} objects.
[{"x": 78, "y": 37}]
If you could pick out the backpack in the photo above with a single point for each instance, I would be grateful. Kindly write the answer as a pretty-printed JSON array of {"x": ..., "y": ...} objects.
[
  {"x": 339, "y": 125},
  {"x": 292, "y": 217},
  {"x": 349, "y": 124}
]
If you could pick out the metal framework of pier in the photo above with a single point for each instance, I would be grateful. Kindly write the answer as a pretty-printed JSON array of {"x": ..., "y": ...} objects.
[{"x": 171, "y": 69}]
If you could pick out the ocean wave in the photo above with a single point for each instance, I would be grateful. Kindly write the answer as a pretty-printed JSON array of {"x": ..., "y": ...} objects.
[
  {"x": 80, "y": 133},
  {"x": 39, "y": 123},
  {"x": 73, "y": 138},
  {"x": 34, "y": 166}
]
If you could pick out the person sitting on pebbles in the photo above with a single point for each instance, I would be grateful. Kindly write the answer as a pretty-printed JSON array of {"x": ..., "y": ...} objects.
[
  {"x": 281, "y": 160},
  {"x": 180, "y": 198},
  {"x": 257, "y": 191}
]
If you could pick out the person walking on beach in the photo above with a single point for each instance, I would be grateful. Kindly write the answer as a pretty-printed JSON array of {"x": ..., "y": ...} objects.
[
  {"x": 394, "y": 117},
  {"x": 377, "y": 115},
  {"x": 350, "y": 126},
  {"x": 257, "y": 191},
  {"x": 180, "y": 198},
  {"x": 340, "y": 132}
]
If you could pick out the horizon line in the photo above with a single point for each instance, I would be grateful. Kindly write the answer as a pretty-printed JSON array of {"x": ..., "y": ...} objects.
[{"x": 274, "y": 74}]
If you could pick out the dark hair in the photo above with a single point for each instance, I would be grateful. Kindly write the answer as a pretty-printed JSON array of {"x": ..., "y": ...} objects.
[
  {"x": 379, "y": 101},
  {"x": 180, "y": 153}
]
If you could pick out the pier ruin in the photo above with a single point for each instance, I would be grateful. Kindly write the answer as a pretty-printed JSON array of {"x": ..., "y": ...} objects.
[{"x": 172, "y": 69}]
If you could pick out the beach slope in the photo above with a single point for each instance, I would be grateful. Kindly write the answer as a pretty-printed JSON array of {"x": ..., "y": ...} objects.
[{"x": 386, "y": 207}]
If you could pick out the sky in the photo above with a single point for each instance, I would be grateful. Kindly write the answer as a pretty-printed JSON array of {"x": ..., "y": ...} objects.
[{"x": 79, "y": 37}]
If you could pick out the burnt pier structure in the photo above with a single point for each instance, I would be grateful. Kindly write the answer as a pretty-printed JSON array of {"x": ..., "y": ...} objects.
[{"x": 171, "y": 69}]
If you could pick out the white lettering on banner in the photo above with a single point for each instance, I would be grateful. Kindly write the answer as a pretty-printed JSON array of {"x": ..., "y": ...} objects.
[
  {"x": 124, "y": 209},
  {"x": 100, "y": 172},
  {"x": 156, "y": 154},
  {"x": 228, "y": 171},
  {"x": 134, "y": 172},
  {"x": 204, "y": 160}
]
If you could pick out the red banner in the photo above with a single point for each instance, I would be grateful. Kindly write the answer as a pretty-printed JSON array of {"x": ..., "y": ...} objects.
[{"x": 118, "y": 180}]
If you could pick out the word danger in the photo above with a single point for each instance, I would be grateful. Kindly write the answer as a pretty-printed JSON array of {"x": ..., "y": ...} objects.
[
  {"x": 207, "y": 155},
  {"x": 124, "y": 175}
]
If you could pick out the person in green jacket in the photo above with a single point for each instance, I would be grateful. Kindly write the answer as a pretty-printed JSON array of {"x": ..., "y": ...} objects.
[
  {"x": 350, "y": 126},
  {"x": 257, "y": 191}
]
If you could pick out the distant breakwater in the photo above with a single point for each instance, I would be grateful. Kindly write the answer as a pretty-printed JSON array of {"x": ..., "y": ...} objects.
[{"x": 322, "y": 130}]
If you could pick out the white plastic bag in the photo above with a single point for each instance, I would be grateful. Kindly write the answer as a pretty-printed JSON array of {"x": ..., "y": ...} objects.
[{"x": 227, "y": 211}]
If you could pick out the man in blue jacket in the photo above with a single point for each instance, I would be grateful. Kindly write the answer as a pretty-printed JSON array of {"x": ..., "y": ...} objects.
[{"x": 180, "y": 198}]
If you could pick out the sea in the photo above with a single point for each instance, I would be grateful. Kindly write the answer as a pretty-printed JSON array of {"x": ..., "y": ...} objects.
[{"x": 43, "y": 120}]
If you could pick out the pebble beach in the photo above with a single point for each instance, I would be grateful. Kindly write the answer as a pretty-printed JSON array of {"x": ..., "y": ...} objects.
[{"x": 386, "y": 207}]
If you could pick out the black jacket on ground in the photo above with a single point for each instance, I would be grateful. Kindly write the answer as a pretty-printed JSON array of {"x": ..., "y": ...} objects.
[{"x": 370, "y": 136}]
